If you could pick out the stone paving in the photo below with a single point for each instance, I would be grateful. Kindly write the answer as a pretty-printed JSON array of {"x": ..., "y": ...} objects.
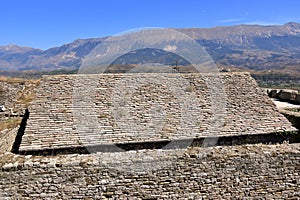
[{"x": 83, "y": 110}]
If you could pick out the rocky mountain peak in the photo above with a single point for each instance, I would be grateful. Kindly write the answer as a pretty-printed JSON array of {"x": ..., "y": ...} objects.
[
  {"x": 16, "y": 48},
  {"x": 293, "y": 27},
  {"x": 252, "y": 46}
]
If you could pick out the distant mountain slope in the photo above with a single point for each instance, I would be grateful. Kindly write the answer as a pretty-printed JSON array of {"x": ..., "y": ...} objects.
[
  {"x": 68, "y": 56},
  {"x": 251, "y": 46}
]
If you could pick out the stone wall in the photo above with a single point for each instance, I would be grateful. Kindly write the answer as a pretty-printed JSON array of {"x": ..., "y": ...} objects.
[
  {"x": 285, "y": 95},
  {"x": 82, "y": 110},
  {"x": 9, "y": 93},
  {"x": 67, "y": 107},
  {"x": 15, "y": 96},
  {"x": 292, "y": 116},
  {"x": 236, "y": 172},
  {"x": 7, "y": 139}
]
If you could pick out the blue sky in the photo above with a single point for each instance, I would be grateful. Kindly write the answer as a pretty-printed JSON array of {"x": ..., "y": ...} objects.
[{"x": 49, "y": 23}]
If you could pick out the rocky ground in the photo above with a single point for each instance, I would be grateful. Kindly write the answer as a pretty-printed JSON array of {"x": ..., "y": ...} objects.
[
  {"x": 282, "y": 104},
  {"x": 15, "y": 95},
  {"x": 220, "y": 172}
]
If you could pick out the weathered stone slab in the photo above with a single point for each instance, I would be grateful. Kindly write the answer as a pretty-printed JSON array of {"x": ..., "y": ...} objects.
[{"x": 81, "y": 110}]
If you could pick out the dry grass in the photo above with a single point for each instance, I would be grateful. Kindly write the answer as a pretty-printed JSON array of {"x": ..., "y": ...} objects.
[
  {"x": 10, "y": 123},
  {"x": 26, "y": 99},
  {"x": 11, "y": 80},
  {"x": 27, "y": 95},
  {"x": 18, "y": 80}
]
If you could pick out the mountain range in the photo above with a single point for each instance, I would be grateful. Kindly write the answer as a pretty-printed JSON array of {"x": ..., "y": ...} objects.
[{"x": 253, "y": 47}]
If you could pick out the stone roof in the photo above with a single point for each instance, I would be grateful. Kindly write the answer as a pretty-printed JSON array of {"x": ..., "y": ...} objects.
[{"x": 81, "y": 110}]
